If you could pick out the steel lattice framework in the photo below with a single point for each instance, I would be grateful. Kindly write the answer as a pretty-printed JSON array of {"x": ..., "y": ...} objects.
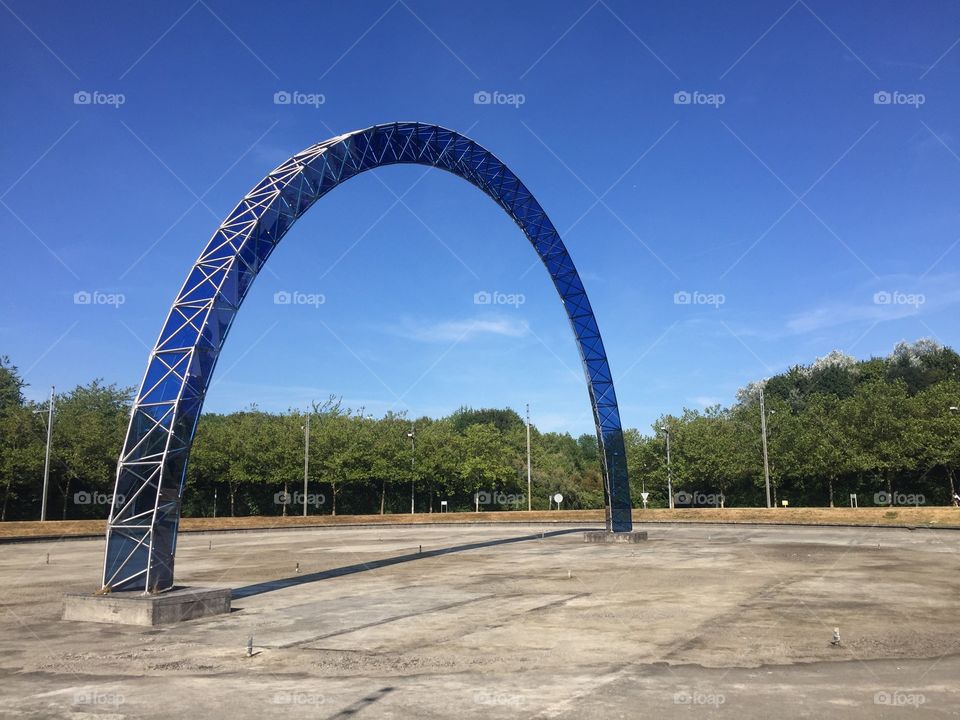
[{"x": 142, "y": 530}]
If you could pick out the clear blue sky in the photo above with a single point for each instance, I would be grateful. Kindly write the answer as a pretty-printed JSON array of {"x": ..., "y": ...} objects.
[{"x": 797, "y": 199}]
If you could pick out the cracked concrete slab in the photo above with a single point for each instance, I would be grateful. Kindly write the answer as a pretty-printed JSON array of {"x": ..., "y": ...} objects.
[{"x": 491, "y": 622}]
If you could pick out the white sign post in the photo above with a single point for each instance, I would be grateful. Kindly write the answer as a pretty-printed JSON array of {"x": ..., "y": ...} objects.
[
  {"x": 644, "y": 496},
  {"x": 558, "y": 498}
]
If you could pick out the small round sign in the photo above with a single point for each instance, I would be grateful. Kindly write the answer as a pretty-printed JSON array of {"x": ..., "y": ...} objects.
[{"x": 558, "y": 498}]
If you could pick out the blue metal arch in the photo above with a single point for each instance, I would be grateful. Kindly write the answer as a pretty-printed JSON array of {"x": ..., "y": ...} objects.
[{"x": 142, "y": 530}]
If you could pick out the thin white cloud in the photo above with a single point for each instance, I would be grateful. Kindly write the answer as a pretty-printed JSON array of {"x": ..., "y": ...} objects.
[
  {"x": 706, "y": 401},
  {"x": 448, "y": 331},
  {"x": 925, "y": 142},
  {"x": 889, "y": 298},
  {"x": 233, "y": 395},
  {"x": 267, "y": 154},
  {"x": 574, "y": 423},
  {"x": 840, "y": 314}
]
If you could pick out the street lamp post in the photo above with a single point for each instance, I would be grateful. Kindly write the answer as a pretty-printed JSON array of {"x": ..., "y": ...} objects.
[
  {"x": 953, "y": 490},
  {"x": 763, "y": 433},
  {"x": 306, "y": 461},
  {"x": 529, "y": 496},
  {"x": 666, "y": 431},
  {"x": 46, "y": 459},
  {"x": 413, "y": 459}
]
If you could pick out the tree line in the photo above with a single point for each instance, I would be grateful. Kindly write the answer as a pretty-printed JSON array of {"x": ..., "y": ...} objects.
[
  {"x": 885, "y": 429},
  {"x": 882, "y": 429}
]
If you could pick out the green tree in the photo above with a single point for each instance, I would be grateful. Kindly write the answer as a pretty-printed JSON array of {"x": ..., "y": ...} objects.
[
  {"x": 390, "y": 451},
  {"x": 21, "y": 440},
  {"x": 483, "y": 466},
  {"x": 881, "y": 430},
  {"x": 334, "y": 449},
  {"x": 502, "y": 419},
  {"x": 939, "y": 431},
  {"x": 11, "y": 385},
  {"x": 211, "y": 458},
  {"x": 88, "y": 429},
  {"x": 439, "y": 449}
]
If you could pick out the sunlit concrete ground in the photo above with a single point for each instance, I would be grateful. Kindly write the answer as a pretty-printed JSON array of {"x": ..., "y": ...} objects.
[{"x": 700, "y": 621}]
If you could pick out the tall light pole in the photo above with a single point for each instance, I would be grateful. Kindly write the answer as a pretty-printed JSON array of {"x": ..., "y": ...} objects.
[
  {"x": 763, "y": 433},
  {"x": 46, "y": 460},
  {"x": 529, "y": 496},
  {"x": 666, "y": 431},
  {"x": 953, "y": 489},
  {"x": 413, "y": 459},
  {"x": 306, "y": 461}
]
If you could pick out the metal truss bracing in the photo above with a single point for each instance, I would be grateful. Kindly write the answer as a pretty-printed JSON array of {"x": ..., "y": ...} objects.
[{"x": 142, "y": 530}]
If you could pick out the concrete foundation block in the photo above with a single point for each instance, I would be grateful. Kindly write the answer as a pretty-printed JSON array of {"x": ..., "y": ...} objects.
[
  {"x": 135, "y": 608},
  {"x": 603, "y": 536}
]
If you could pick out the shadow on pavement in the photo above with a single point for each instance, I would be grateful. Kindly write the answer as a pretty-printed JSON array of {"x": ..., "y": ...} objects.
[
  {"x": 351, "y": 710},
  {"x": 280, "y": 584}
]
